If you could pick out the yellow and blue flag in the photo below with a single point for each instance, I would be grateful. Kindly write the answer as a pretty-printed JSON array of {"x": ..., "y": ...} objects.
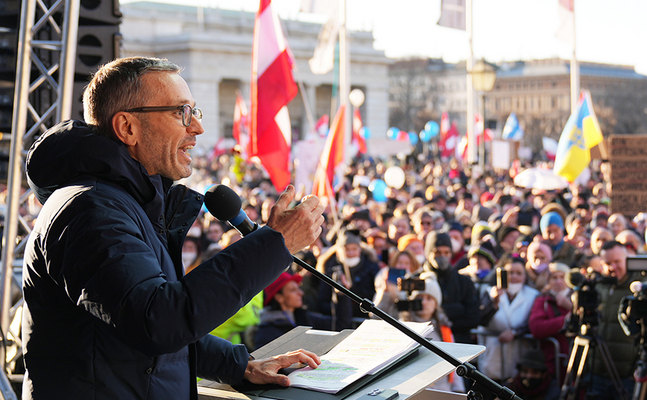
[{"x": 581, "y": 133}]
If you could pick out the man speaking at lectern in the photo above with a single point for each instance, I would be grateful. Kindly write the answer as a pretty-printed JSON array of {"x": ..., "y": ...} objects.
[{"x": 108, "y": 312}]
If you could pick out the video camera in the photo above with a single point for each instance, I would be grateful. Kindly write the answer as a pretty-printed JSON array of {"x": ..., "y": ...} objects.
[
  {"x": 633, "y": 309},
  {"x": 408, "y": 286},
  {"x": 585, "y": 300}
]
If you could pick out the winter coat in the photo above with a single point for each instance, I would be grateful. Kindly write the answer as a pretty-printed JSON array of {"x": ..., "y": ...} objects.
[
  {"x": 460, "y": 302},
  {"x": 511, "y": 315},
  {"x": 442, "y": 332},
  {"x": 362, "y": 276},
  {"x": 108, "y": 314},
  {"x": 546, "y": 320},
  {"x": 275, "y": 323},
  {"x": 622, "y": 348}
]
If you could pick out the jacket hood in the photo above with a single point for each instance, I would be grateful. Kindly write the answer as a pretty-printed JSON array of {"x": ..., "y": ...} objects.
[{"x": 71, "y": 150}]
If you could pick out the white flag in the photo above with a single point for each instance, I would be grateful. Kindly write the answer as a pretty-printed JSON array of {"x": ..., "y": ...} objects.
[
  {"x": 452, "y": 14},
  {"x": 323, "y": 59},
  {"x": 566, "y": 30}
]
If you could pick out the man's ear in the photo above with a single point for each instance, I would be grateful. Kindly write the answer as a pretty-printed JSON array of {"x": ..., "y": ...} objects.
[{"x": 126, "y": 127}]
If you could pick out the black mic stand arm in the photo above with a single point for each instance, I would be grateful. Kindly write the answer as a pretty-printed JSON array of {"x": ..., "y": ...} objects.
[{"x": 483, "y": 387}]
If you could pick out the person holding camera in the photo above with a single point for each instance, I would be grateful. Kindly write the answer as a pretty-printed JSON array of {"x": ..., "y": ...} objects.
[
  {"x": 401, "y": 265},
  {"x": 512, "y": 299},
  {"x": 425, "y": 306},
  {"x": 622, "y": 348}
]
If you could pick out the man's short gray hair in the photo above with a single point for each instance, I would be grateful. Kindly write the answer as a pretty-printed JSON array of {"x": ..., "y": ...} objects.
[{"x": 116, "y": 87}]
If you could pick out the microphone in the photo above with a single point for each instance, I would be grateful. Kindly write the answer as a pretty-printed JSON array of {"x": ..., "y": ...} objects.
[{"x": 224, "y": 204}]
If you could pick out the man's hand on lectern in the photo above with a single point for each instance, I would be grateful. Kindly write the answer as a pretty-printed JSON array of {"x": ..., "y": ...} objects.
[{"x": 266, "y": 370}]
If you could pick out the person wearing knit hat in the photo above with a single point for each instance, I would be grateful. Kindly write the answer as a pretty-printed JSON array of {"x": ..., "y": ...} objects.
[
  {"x": 539, "y": 255},
  {"x": 479, "y": 230},
  {"x": 284, "y": 310},
  {"x": 552, "y": 232},
  {"x": 351, "y": 264},
  {"x": 482, "y": 259},
  {"x": 533, "y": 381},
  {"x": 459, "y": 294},
  {"x": 548, "y": 317},
  {"x": 506, "y": 238},
  {"x": 438, "y": 241},
  {"x": 430, "y": 301},
  {"x": 413, "y": 245},
  {"x": 455, "y": 232},
  {"x": 432, "y": 288}
]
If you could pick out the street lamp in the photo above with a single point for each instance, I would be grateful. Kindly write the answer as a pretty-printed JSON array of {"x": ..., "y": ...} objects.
[
  {"x": 356, "y": 98},
  {"x": 483, "y": 77}
]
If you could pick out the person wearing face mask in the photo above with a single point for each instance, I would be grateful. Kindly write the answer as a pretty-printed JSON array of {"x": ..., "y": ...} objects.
[
  {"x": 539, "y": 255},
  {"x": 455, "y": 232},
  {"x": 533, "y": 381},
  {"x": 190, "y": 253},
  {"x": 509, "y": 322},
  {"x": 460, "y": 301},
  {"x": 353, "y": 265},
  {"x": 413, "y": 245},
  {"x": 549, "y": 315},
  {"x": 481, "y": 266}
]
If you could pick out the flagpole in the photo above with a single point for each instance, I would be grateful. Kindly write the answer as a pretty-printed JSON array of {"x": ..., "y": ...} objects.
[
  {"x": 471, "y": 140},
  {"x": 575, "y": 70},
  {"x": 344, "y": 72},
  {"x": 306, "y": 105}
]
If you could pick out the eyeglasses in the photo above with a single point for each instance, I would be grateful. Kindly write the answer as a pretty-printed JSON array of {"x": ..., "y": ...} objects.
[{"x": 187, "y": 111}]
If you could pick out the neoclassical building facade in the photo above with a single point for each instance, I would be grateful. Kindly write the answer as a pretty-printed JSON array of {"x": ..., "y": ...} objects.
[{"x": 214, "y": 47}]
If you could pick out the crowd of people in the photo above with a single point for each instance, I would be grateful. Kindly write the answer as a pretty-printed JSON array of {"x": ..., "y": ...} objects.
[
  {"x": 454, "y": 231},
  {"x": 143, "y": 291}
]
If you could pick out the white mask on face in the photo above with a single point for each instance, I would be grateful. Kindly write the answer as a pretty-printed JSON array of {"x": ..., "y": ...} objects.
[
  {"x": 421, "y": 258},
  {"x": 195, "y": 232},
  {"x": 514, "y": 288},
  {"x": 352, "y": 261},
  {"x": 456, "y": 246},
  {"x": 188, "y": 257}
]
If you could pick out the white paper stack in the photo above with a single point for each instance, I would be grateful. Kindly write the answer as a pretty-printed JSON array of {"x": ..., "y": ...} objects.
[{"x": 370, "y": 348}]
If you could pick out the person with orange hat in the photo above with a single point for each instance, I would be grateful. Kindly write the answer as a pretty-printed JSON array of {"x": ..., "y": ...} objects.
[{"x": 284, "y": 310}]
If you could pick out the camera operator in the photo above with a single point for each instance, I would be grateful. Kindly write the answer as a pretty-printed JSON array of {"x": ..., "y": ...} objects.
[{"x": 623, "y": 349}]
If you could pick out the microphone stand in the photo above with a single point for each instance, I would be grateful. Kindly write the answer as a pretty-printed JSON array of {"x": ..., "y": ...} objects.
[{"x": 483, "y": 388}]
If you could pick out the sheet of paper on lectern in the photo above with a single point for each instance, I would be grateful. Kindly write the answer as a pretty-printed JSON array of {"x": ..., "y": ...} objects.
[{"x": 371, "y": 347}]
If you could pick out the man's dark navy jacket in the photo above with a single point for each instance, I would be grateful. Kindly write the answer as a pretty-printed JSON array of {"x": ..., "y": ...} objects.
[{"x": 108, "y": 314}]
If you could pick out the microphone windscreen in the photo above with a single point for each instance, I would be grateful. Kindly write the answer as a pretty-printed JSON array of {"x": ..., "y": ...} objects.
[
  {"x": 222, "y": 202},
  {"x": 574, "y": 278}
]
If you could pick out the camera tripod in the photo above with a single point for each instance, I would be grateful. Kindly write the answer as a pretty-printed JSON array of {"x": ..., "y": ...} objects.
[{"x": 581, "y": 346}]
